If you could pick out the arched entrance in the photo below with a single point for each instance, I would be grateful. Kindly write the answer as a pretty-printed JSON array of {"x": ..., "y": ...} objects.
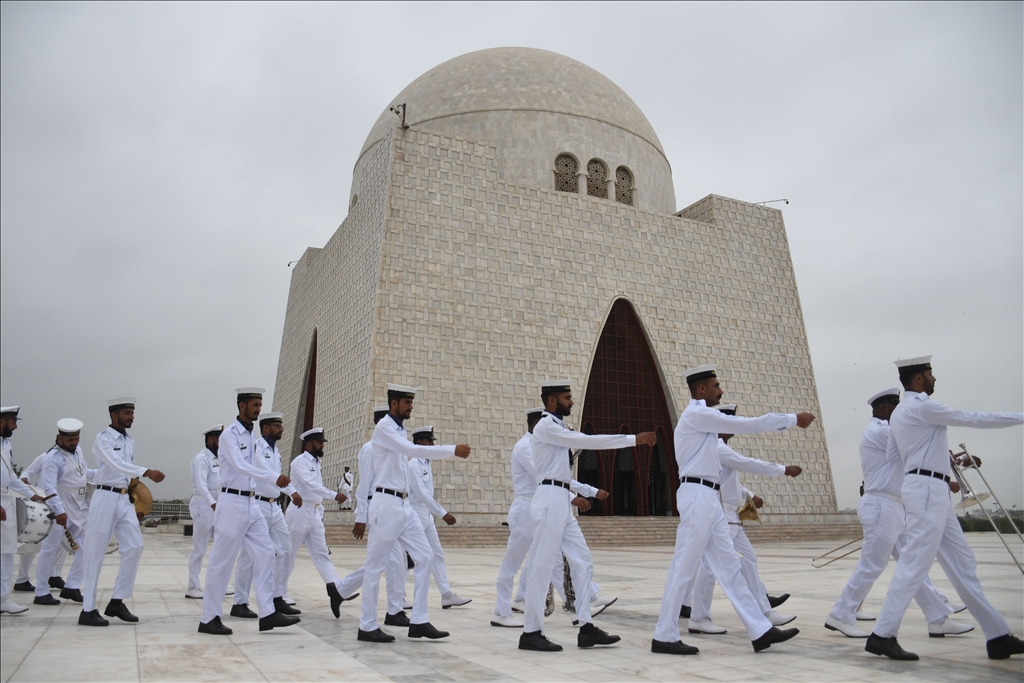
[{"x": 625, "y": 395}]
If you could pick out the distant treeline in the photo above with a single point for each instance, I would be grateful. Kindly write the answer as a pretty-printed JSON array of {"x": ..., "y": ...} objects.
[{"x": 981, "y": 523}]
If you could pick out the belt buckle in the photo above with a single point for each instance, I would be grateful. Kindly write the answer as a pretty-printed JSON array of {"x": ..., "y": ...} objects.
[
  {"x": 81, "y": 491},
  {"x": 252, "y": 493}
]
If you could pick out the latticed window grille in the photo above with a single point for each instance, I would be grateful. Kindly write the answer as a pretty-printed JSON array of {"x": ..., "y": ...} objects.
[
  {"x": 566, "y": 173},
  {"x": 623, "y": 185},
  {"x": 597, "y": 179}
]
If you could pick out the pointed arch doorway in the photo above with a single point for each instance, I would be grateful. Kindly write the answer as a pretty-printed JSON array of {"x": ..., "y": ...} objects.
[{"x": 625, "y": 395}]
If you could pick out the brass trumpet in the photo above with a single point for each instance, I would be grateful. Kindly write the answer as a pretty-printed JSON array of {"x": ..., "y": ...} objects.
[
  {"x": 971, "y": 497},
  {"x": 814, "y": 562}
]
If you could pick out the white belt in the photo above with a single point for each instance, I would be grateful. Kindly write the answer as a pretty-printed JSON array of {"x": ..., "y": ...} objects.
[
  {"x": 885, "y": 494},
  {"x": 73, "y": 490}
]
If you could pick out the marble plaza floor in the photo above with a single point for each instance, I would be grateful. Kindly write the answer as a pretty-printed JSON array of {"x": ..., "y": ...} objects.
[{"x": 46, "y": 644}]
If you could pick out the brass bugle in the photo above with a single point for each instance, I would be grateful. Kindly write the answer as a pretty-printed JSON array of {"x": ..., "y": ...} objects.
[
  {"x": 814, "y": 562},
  {"x": 962, "y": 480}
]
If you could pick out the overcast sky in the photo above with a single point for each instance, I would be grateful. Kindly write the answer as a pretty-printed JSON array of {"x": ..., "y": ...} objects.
[{"x": 161, "y": 164}]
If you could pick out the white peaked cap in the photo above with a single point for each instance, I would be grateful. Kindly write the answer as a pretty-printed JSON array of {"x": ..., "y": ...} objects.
[
  {"x": 401, "y": 389},
  {"x": 214, "y": 429},
  {"x": 250, "y": 390},
  {"x": 9, "y": 409},
  {"x": 700, "y": 372},
  {"x": 556, "y": 385},
  {"x": 268, "y": 417},
  {"x": 381, "y": 409},
  {"x": 315, "y": 431},
  {"x": 428, "y": 429},
  {"x": 907, "y": 362},
  {"x": 122, "y": 401},
  {"x": 893, "y": 391},
  {"x": 69, "y": 425},
  {"x": 534, "y": 411},
  {"x": 731, "y": 406}
]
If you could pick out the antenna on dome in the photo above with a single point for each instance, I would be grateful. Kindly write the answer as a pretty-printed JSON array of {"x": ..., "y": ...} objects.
[
  {"x": 399, "y": 111},
  {"x": 771, "y": 201}
]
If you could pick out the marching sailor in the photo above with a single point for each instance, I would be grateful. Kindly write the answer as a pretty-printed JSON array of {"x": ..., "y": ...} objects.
[
  {"x": 112, "y": 513},
  {"x": 9, "y": 485},
  {"x": 734, "y": 496},
  {"x": 205, "y": 490},
  {"x": 306, "y": 524},
  {"x": 555, "y": 525},
  {"x": 238, "y": 521},
  {"x": 421, "y": 498},
  {"x": 393, "y": 519},
  {"x": 703, "y": 530},
  {"x": 268, "y": 457},
  {"x": 28, "y": 551},
  {"x": 884, "y": 520},
  {"x": 918, "y": 433},
  {"x": 346, "y": 487},
  {"x": 63, "y": 478}
]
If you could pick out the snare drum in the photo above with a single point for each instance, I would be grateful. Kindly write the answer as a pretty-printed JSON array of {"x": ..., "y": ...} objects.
[{"x": 34, "y": 521}]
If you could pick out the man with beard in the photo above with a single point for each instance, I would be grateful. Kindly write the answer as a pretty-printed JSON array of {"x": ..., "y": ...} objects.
[
  {"x": 205, "y": 490},
  {"x": 306, "y": 524},
  {"x": 238, "y": 521},
  {"x": 9, "y": 484},
  {"x": 268, "y": 457},
  {"x": 111, "y": 512},
  {"x": 62, "y": 477},
  {"x": 28, "y": 551},
  {"x": 555, "y": 526}
]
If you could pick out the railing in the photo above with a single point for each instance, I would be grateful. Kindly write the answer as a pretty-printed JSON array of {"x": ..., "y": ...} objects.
[{"x": 173, "y": 510}]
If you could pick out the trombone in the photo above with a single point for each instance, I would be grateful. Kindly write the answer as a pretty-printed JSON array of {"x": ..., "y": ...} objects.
[
  {"x": 815, "y": 560},
  {"x": 969, "y": 497}
]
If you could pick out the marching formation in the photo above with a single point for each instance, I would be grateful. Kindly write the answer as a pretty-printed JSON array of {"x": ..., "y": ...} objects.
[{"x": 259, "y": 519}]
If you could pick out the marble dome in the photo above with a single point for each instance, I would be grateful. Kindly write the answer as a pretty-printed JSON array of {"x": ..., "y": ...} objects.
[{"x": 534, "y": 105}]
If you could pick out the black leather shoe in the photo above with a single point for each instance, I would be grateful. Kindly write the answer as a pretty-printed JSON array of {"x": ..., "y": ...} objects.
[
  {"x": 116, "y": 608},
  {"x": 1004, "y": 646},
  {"x": 277, "y": 620},
  {"x": 400, "y": 619},
  {"x": 590, "y": 635},
  {"x": 776, "y": 600},
  {"x": 92, "y": 618},
  {"x": 215, "y": 628},
  {"x": 56, "y": 582},
  {"x": 684, "y": 612},
  {"x": 426, "y": 630},
  {"x": 336, "y": 600},
  {"x": 676, "y": 648},
  {"x": 377, "y": 636},
  {"x": 772, "y": 636},
  {"x": 284, "y": 608},
  {"x": 242, "y": 611},
  {"x": 46, "y": 600},
  {"x": 878, "y": 645},
  {"x": 539, "y": 642},
  {"x": 25, "y": 587},
  {"x": 72, "y": 594}
]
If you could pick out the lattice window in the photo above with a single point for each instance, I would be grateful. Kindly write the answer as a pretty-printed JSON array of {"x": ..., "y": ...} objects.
[
  {"x": 566, "y": 173},
  {"x": 597, "y": 179},
  {"x": 623, "y": 185}
]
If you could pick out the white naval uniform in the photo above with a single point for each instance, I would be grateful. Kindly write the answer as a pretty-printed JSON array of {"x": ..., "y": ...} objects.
[
  {"x": 9, "y": 485},
  {"x": 734, "y": 495},
  {"x": 346, "y": 488},
  {"x": 269, "y": 457},
  {"x": 918, "y": 427},
  {"x": 27, "y": 551},
  {"x": 421, "y": 498},
  {"x": 703, "y": 530},
  {"x": 395, "y": 570},
  {"x": 205, "y": 490},
  {"x": 306, "y": 523},
  {"x": 392, "y": 519},
  {"x": 884, "y": 520},
  {"x": 62, "y": 477},
  {"x": 239, "y": 523},
  {"x": 112, "y": 513},
  {"x": 555, "y": 525},
  {"x": 521, "y": 528}
]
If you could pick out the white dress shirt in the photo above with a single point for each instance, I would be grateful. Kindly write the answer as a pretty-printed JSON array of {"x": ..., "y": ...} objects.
[
  {"x": 32, "y": 471},
  {"x": 733, "y": 493},
  {"x": 206, "y": 477},
  {"x": 269, "y": 458},
  {"x": 236, "y": 454},
  {"x": 696, "y": 436},
  {"x": 115, "y": 453},
  {"x": 61, "y": 469},
  {"x": 9, "y": 482},
  {"x": 421, "y": 487},
  {"x": 882, "y": 468},
  {"x": 391, "y": 453},
  {"x": 308, "y": 479},
  {"x": 919, "y": 429},
  {"x": 552, "y": 439},
  {"x": 524, "y": 474},
  {"x": 365, "y": 489}
]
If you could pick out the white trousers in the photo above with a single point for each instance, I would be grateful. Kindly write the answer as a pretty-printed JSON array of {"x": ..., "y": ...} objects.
[
  {"x": 394, "y": 574},
  {"x": 438, "y": 568},
  {"x": 885, "y": 523},
  {"x": 238, "y": 523},
  {"x": 704, "y": 584},
  {"x": 51, "y": 561},
  {"x": 306, "y": 526},
  {"x": 110, "y": 513},
  {"x": 283, "y": 560},
  {"x": 555, "y": 528},
  {"x": 934, "y": 532},
  {"x": 202, "y": 532},
  {"x": 391, "y": 520},
  {"x": 26, "y": 553},
  {"x": 704, "y": 533}
]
